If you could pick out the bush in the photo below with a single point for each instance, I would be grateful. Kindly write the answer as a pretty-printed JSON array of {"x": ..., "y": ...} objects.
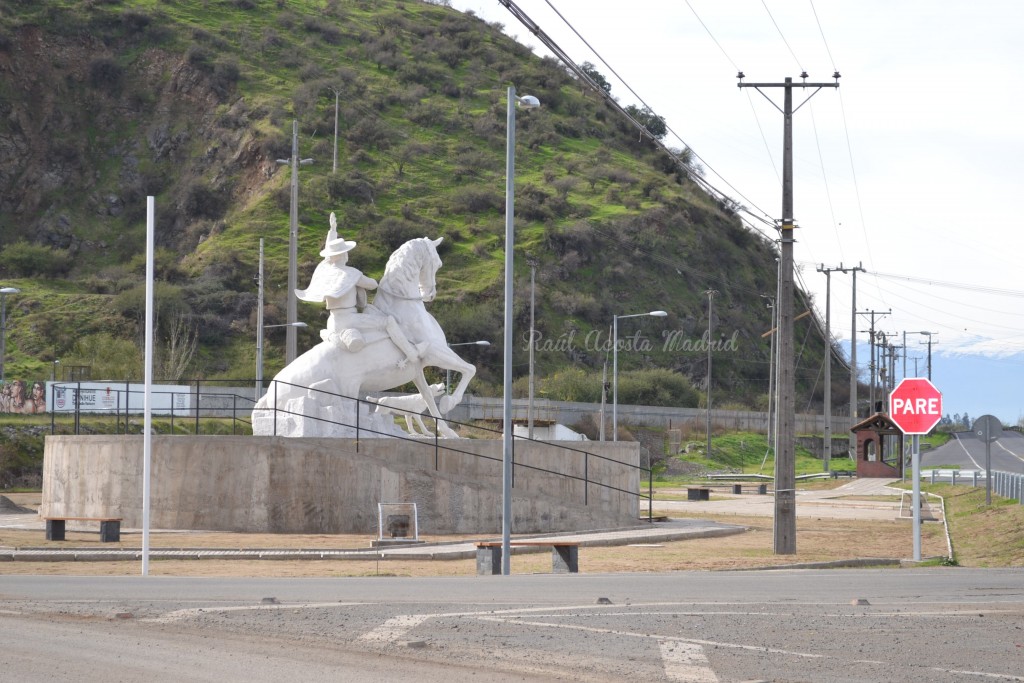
[
  {"x": 105, "y": 74},
  {"x": 23, "y": 259}
]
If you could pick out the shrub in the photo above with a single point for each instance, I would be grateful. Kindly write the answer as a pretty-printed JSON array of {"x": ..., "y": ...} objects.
[
  {"x": 105, "y": 74},
  {"x": 24, "y": 259}
]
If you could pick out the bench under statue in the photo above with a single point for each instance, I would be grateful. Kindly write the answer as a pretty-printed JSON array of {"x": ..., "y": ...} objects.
[{"x": 365, "y": 348}]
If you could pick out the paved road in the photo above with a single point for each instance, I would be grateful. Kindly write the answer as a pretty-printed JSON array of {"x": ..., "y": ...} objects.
[
  {"x": 938, "y": 624},
  {"x": 968, "y": 451}
]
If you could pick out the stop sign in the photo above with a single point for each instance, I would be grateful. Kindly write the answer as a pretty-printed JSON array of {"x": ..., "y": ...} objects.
[{"x": 915, "y": 405}]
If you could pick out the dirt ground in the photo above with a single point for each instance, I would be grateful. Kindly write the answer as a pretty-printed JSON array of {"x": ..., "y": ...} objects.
[{"x": 818, "y": 540}]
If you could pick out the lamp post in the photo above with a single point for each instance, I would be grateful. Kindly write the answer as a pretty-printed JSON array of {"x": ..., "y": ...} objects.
[
  {"x": 448, "y": 371},
  {"x": 3, "y": 327},
  {"x": 290, "y": 350},
  {"x": 53, "y": 372},
  {"x": 259, "y": 350},
  {"x": 527, "y": 102},
  {"x": 615, "y": 365}
]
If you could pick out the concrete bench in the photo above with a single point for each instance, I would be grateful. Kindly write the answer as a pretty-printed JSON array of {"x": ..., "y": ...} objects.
[
  {"x": 110, "y": 527},
  {"x": 564, "y": 556},
  {"x": 698, "y": 494},
  {"x": 762, "y": 489}
]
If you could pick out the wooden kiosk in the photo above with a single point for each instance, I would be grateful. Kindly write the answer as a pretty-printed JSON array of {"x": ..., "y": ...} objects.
[{"x": 874, "y": 459}]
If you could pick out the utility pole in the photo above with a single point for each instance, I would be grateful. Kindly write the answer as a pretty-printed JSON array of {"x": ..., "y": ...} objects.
[
  {"x": 872, "y": 368},
  {"x": 711, "y": 298},
  {"x": 853, "y": 356},
  {"x": 771, "y": 367},
  {"x": 337, "y": 95},
  {"x": 529, "y": 409},
  {"x": 929, "y": 335},
  {"x": 827, "y": 436},
  {"x": 290, "y": 340},
  {"x": 785, "y": 455}
]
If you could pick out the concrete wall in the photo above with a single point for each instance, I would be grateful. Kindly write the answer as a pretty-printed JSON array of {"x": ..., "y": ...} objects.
[{"x": 276, "y": 484}]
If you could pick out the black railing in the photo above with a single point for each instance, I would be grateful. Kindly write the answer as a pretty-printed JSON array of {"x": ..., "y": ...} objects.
[{"x": 238, "y": 409}]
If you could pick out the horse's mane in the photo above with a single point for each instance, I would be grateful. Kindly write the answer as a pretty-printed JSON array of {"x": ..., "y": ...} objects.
[{"x": 403, "y": 268}]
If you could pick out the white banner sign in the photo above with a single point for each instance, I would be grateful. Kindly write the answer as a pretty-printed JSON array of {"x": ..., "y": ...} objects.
[{"x": 112, "y": 397}]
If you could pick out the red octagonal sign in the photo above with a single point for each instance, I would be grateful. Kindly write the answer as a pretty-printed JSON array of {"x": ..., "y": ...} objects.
[{"x": 915, "y": 405}]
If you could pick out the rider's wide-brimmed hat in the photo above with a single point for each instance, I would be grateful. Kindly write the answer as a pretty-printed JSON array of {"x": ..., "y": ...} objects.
[{"x": 333, "y": 247}]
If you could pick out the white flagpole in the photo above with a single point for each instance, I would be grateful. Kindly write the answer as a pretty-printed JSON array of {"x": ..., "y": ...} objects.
[{"x": 147, "y": 429}]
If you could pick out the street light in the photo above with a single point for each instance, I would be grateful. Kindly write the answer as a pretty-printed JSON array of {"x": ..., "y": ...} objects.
[
  {"x": 259, "y": 351},
  {"x": 526, "y": 102},
  {"x": 448, "y": 371},
  {"x": 53, "y": 373},
  {"x": 3, "y": 326},
  {"x": 290, "y": 349},
  {"x": 615, "y": 365}
]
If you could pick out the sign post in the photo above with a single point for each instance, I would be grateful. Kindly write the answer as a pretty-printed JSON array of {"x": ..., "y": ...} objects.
[
  {"x": 988, "y": 428},
  {"x": 915, "y": 406}
]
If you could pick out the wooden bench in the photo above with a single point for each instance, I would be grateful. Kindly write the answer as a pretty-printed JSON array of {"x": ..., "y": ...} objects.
[
  {"x": 110, "y": 527},
  {"x": 564, "y": 556}
]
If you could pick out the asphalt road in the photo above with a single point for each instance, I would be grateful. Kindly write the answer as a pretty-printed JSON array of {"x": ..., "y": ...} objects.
[
  {"x": 968, "y": 451},
  {"x": 936, "y": 624}
]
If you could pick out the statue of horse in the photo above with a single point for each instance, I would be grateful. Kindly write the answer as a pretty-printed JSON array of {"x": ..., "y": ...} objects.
[{"x": 328, "y": 370}]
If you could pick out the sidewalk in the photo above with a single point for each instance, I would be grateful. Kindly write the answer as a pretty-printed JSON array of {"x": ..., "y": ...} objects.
[
  {"x": 849, "y": 501},
  {"x": 846, "y": 502},
  {"x": 644, "y": 533}
]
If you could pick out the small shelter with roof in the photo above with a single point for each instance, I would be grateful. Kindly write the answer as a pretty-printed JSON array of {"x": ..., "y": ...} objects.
[{"x": 878, "y": 456}]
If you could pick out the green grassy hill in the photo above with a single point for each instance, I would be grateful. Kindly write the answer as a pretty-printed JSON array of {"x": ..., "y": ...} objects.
[{"x": 107, "y": 101}]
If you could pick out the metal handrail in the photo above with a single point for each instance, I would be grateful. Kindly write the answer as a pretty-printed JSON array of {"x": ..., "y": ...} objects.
[{"x": 245, "y": 405}]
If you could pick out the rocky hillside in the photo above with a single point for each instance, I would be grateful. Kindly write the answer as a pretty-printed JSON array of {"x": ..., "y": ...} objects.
[{"x": 107, "y": 101}]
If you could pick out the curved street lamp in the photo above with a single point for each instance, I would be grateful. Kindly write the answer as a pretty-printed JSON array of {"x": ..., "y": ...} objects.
[
  {"x": 615, "y": 365},
  {"x": 526, "y": 102}
]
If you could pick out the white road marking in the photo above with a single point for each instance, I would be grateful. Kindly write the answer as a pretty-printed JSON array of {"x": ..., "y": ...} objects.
[
  {"x": 985, "y": 674},
  {"x": 182, "y": 614},
  {"x": 396, "y": 627},
  {"x": 1000, "y": 444},
  {"x": 633, "y": 634},
  {"x": 686, "y": 662},
  {"x": 967, "y": 452}
]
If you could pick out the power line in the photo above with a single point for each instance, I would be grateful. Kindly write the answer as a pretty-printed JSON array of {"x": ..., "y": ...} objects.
[
  {"x": 571, "y": 64},
  {"x": 781, "y": 35}
]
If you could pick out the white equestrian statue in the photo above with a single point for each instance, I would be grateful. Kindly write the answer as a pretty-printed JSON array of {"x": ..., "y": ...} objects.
[{"x": 384, "y": 346}]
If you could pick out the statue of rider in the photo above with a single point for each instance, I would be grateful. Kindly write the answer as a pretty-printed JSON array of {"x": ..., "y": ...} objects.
[{"x": 343, "y": 289}]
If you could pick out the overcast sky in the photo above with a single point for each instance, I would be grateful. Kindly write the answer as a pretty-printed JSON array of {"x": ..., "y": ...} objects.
[{"x": 910, "y": 169}]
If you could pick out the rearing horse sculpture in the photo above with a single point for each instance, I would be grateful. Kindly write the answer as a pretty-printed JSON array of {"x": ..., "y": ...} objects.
[{"x": 329, "y": 368}]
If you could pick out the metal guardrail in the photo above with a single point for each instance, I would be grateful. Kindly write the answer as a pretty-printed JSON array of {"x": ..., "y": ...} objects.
[
  {"x": 1005, "y": 484},
  {"x": 190, "y": 420}
]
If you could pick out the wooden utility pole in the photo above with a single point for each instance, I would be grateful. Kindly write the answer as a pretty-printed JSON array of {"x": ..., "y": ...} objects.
[
  {"x": 711, "y": 299},
  {"x": 785, "y": 455},
  {"x": 872, "y": 366},
  {"x": 827, "y": 433},
  {"x": 853, "y": 354}
]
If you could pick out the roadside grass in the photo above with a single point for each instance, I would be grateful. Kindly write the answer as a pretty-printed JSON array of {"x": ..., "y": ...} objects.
[
  {"x": 741, "y": 453},
  {"x": 982, "y": 535}
]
